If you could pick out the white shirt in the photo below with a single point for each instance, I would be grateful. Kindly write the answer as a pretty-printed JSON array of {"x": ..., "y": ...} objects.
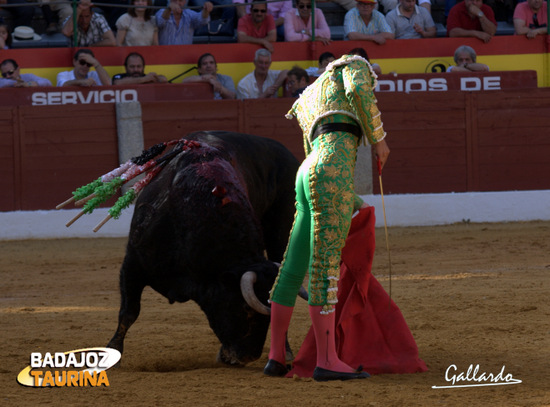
[
  {"x": 65, "y": 76},
  {"x": 248, "y": 87}
]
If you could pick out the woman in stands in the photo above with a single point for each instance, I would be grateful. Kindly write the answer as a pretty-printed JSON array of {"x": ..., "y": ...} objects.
[
  {"x": 5, "y": 37},
  {"x": 137, "y": 27}
]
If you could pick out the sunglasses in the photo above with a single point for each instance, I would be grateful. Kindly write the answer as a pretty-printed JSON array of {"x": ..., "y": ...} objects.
[
  {"x": 8, "y": 73},
  {"x": 308, "y": 6},
  {"x": 82, "y": 62},
  {"x": 257, "y": 10}
]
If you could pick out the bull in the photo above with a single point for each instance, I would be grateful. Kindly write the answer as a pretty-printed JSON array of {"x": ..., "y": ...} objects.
[{"x": 200, "y": 231}]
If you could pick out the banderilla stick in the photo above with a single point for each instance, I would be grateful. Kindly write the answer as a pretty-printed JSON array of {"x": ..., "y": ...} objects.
[{"x": 385, "y": 222}]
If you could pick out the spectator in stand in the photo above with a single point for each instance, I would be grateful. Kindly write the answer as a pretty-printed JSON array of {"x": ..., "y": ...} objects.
[
  {"x": 92, "y": 28},
  {"x": 472, "y": 18},
  {"x": 177, "y": 24},
  {"x": 137, "y": 27},
  {"x": 262, "y": 82},
  {"x": 465, "y": 60},
  {"x": 13, "y": 78},
  {"x": 83, "y": 60},
  {"x": 5, "y": 37},
  {"x": 258, "y": 27},
  {"x": 134, "y": 65},
  {"x": 277, "y": 9},
  {"x": 365, "y": 23},
  {"x": 389, "y": 5},
  {"x": 324, "y": 59},
  {"x": 298, "y": 24},
  {"x": 530, "y": 18},
  {"x": 54, "y": 12},
  {"x": 362, "y": 53},
  {"x": 408, "y": 21},
  {"x": 296, "y": 81},
  {"x": 223, "y": 85},
  {"x": 21, "y": 15}
]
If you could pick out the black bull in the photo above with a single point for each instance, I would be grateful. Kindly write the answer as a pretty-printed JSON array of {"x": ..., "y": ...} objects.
[{"x": 202, "y": 223}]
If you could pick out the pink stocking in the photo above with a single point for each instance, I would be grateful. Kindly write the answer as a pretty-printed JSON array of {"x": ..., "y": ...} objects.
[
  {"x": 280, "y": 320},
  {"x": 324, "y": 328}
]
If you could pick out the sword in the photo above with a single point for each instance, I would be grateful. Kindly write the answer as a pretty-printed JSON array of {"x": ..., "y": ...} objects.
[{"x": 385, "y": 222}]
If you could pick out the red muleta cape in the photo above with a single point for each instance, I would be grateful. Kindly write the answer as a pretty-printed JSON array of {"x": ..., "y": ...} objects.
[{"x": 369, "y": 331}]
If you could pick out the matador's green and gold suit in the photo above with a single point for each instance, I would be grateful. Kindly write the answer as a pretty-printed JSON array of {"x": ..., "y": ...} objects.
[{"x": 325, "y": 197}]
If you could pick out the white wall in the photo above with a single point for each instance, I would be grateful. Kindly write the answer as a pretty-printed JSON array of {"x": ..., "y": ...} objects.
[{"x": 401, "y": 210}]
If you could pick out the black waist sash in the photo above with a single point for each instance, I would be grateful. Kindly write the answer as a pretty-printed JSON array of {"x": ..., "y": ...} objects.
[{"x": 330, "y": 127}]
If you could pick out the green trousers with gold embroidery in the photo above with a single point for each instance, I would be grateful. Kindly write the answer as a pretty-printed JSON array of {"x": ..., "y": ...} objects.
[{"x": 324, "y": 206}]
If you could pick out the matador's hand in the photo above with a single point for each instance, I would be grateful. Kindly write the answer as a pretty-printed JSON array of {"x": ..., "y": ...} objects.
[{"x": 382, "y": 151}]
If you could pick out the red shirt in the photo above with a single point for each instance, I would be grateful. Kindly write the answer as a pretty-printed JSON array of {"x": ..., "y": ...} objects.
[
  {"x": 459, "y": 17},
  {"x": 246, "y": 25}
]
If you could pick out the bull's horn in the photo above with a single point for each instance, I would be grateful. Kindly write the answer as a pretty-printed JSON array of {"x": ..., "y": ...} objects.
[
  {"x": 247, "y": 288},
  {"x": 303, "y": 293}
]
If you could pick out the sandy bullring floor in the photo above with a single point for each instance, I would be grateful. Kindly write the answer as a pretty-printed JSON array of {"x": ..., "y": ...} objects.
[{"x": 471, "y": 293}]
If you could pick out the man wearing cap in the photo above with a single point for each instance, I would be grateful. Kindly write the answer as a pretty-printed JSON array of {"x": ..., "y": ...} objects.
[
  {"x": 13, "y": 78},
  {"x": 83, "y": 60},
  {"x": 93, "y": 30},
  {"x": 365, "y": 23}
]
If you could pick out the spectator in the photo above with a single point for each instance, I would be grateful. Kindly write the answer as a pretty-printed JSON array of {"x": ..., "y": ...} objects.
[
  {"x": 177, "y": 24},
  {"x": 408, "y": 21},
  {"x": 21, "y": 15},
  {"x": 465, "y": 60},
  {"x": 530, "y": 18},
  {"x": 298, "y": 24},
  {"x": 137, "y": 27},
  {"x": 296, "y": 81},
  {"x": 83, "y": 60},
  {"x": 12, "y": 78},
  {"x": 92, "y": 31},
  {"x": 362, "y": 53},
  {"x": 277, "y": 9},
  {"x": 324, "y": 59},
  {"x": 54, "y": 12},
  {"x": 5, "y": 37},
  {"x": 262, "y": 82},
  {"x": 134, "y": 65},
  {"x": 223, "y": 85},
  {"x": 222, "y": 18},
  {"x": 365, "y": 23},
  {"x": 472, "y": 18},
  {"x": 389, "y": 5},
  {"x": 258, "y": 27}
]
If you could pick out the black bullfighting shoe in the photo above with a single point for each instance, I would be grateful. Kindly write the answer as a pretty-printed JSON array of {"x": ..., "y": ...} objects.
[
  {"x": 276, "y": 369},
  {"x": 324, "y": 375}
]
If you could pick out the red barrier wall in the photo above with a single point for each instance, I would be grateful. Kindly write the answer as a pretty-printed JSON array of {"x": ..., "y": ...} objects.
[{"x": 440, "y": 141}]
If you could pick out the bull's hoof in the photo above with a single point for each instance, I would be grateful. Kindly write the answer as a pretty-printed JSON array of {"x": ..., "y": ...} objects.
[
  {"x": 324, "y": 375},
  {"x": 275, "y": 369}
]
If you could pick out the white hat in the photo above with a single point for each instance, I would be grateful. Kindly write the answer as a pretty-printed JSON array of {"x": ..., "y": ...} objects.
[{"x": 24, "y": 33}]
